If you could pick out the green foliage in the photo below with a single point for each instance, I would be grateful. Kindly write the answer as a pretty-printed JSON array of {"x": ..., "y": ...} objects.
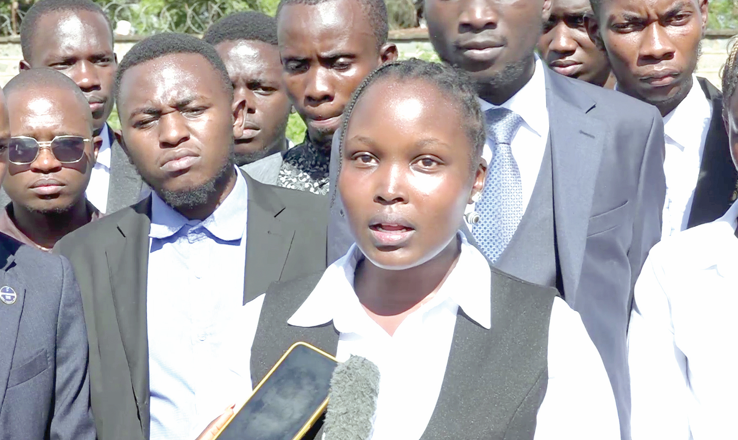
[
  {"x": 723, "y": 14},
  {"x": 296, "y": 129}
]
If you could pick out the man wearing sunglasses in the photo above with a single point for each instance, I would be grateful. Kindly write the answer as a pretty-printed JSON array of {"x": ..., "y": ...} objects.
[
  {"x": 49, "y": 156},
  {"x": 44, "y": 385}
]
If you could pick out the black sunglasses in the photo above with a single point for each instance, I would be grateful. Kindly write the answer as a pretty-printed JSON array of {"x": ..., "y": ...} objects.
[{"x": 23, "y": 150}]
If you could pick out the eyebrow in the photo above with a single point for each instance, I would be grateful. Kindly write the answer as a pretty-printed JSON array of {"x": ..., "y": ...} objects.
[
  {"x": 676, "y": 8},
  {"x": 179, "y": 104}
]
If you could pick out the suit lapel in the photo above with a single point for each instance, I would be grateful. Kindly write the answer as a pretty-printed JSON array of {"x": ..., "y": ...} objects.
[
  {"x": 716, "y": 183},
  {"x": 128, "y": 264},
  {"x": 267, "y": 239},
  {"x": 10, "y": 315},
  {"x": 125, "y": 183},
  {"x": 576, "y": 140}
]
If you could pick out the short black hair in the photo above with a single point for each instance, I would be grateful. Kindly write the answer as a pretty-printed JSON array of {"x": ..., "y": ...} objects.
[
  {"x": 43, "y": 7},
  {"x": 247, "y": 26},
  {"x": 375, "y": 11},
  {"x": 451, "y": 82},
  {"x": 160, "y": 45},
  {"x": 45, "y": 78}
]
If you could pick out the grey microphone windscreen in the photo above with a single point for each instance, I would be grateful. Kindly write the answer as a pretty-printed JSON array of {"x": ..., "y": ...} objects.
[{"x": 352, "y": 400}]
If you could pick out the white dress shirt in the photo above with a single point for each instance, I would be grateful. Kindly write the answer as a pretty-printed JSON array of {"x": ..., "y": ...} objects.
[
  {"x": 683, "y": 335},
  {"x": 579, "y": 402},
  {"x": 195, "y": 286},
  {"x": 685, "y": 131},
  {"x": 529, "y": 143},
  {"x": 97, "y": 189}
]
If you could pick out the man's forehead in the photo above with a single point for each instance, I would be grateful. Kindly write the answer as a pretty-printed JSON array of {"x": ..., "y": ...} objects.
[
  {"x": 328, "y": 20},
  {"x": 72, "y": 33},
  {"x": 646, "y": 6},
  {"x": 175, "y": 77}
]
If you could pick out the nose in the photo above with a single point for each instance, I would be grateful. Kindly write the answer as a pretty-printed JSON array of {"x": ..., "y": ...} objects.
[
  {"x": 86, "y": 77},
  {"x": 477, "y": 15},
  {"x": 391, "y": 185},
  {"x": 656, "y": 45},
  {"x": 561, "y": 40},
  {"x": 46, "y": 162},
  {"x": 173, "y": 130},
  {"x": 319, "y": 87},
  {"x": 247, "y": 96}
]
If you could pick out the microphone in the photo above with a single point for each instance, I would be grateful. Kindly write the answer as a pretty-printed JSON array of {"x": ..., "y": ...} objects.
[{"x": 352, "y": 400}]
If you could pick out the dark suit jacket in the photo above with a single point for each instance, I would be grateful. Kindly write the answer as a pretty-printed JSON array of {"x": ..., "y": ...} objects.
[
  {"x": 718, "y": 178},
  {"x": 44, "y": 385},
  {"x": 609, "y": 187},
  {"x": 286, "y": 236},
  {"x": 125, "y": 184}
]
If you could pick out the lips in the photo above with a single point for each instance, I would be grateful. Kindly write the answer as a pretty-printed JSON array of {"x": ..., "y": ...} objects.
[
  {"x": 250, "y": 131},
  {"x": 324, "y": 123},
  {"x": 47, "y": 187},
  {"x": 480, "y": 49},
  {"x": 660, "y": 78},
  {"x": 566, "y": 67},
  {"x": 391, "y": 230},
  {"x": 179, "y": 160},
  {"x": 97, "y": 104}
]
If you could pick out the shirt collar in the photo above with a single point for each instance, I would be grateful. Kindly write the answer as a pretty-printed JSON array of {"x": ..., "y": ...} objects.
[
  {"x": 686, "y": 124},
  {"x": 334, "y": 299},
  {"x": 529, "y": 102},
  {"x": 105, "y": 153},
  {"x": 227, "y": 222}
]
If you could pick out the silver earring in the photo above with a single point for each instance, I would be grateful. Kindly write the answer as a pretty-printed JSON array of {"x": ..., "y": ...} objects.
[
  {"x": 472, "y": 218},
  {"x": 475, "y": 197}
]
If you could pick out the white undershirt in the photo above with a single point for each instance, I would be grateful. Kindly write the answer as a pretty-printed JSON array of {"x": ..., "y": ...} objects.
[
  {"x": 682, "y": 337},
  {"x": 685, "y": 131},
  {"x": 579, "y": 403},
  {"x": 97, "y": 189}
]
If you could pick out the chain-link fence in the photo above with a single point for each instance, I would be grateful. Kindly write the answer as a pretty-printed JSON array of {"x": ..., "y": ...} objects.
[{"x": 145, "y": 17}]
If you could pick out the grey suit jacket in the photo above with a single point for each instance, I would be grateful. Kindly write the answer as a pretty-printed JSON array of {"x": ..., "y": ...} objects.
[
  {"x": 44, "y": 384},
  {"x": 125, "y": 183},
  {"x": 286, "y": 236},
  {"x": 607, "y": 151}
]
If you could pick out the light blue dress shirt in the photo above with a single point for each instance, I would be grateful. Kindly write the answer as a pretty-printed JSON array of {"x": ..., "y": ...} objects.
[{"x": 195, "y": 286}]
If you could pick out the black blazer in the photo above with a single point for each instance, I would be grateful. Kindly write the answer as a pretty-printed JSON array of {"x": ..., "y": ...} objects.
[
  {"x": 286, "y": 238},
  {"x": 718, "y": 179},
  {"x": 44, "y": 385}
]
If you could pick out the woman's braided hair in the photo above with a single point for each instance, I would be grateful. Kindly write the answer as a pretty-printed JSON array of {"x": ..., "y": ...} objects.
[
  {"x": 453, "y": 83},
  {"x": 729, "y": 76}
]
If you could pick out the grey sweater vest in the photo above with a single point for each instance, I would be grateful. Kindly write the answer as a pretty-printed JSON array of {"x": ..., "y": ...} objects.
[{"x": 495, "y": 379}]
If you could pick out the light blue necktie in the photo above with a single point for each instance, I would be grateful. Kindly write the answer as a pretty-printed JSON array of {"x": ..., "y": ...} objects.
[{"x": 501, "y": 206}]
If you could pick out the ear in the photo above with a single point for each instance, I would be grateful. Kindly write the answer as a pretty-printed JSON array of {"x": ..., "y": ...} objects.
[
  {"x": 546, "y": 10},
  {"x": 593, "y": 30},
  {"x": 239, "y": 110},
  {"x": 388, "y": 53},
  {"x": 23, "y": 65},
  {"x": 478, "y": 185},
  {"x": 704, "y": 10}
]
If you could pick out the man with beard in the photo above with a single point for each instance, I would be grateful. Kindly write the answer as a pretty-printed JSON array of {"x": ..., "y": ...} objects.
[
  {"x": 75, "y": 38},
  {"x": 575, "y": 183},
  {"x": 49, "y": 157},
  {"x": 161, "y": 279},
  {"x": 653, "y": 49},
  {"x": 566, "y": 47},
  {"x": 247, "y": 44}
]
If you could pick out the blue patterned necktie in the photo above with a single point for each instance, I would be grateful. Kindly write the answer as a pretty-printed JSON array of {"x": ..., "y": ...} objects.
[{"x": 501, "y": 206}]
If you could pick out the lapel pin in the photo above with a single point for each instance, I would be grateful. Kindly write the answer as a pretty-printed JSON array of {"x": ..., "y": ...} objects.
[{"x": 8, "y": 295}]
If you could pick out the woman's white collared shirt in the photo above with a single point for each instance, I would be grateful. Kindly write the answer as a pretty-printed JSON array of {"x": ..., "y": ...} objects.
[
  {"x": 683, "y": 337},
  {"x": 579, "y": 403}
]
